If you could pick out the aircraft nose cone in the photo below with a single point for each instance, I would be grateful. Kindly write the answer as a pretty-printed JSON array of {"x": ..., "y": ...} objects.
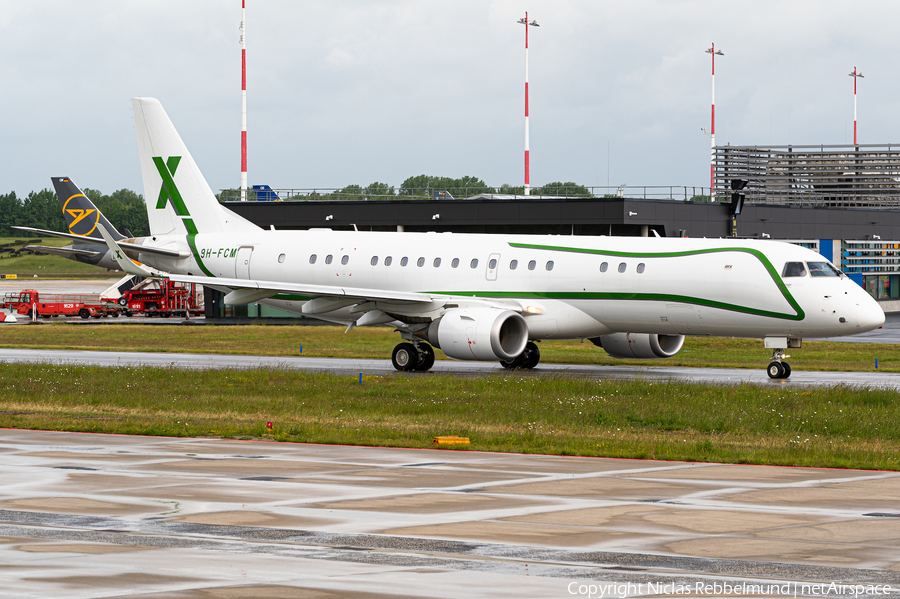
[{"x": 869, "y": 314}]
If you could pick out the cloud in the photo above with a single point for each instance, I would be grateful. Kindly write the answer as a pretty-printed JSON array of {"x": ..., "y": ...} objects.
[{"x": 354, "y": 91}]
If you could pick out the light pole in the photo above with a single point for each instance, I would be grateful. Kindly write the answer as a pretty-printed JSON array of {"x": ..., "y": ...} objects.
[
  {"x": 712, "y": 130},
  {"x": 527, "y": 24},
  {"x": 243, "y": 105},
  {"x": 856, "y": 75}
]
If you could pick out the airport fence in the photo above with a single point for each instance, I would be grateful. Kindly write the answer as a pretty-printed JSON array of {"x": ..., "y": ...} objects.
[{"x": 656, "y": 192}]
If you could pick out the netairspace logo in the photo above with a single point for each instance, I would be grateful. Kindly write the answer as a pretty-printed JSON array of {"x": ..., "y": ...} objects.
[{"x": 724, "y": 589}]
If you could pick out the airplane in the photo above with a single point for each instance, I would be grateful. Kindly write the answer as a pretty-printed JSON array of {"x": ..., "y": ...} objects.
[
  {"x": 84, "y": 221},
  {"x": 488, "y": 297},
  {"x": 82, "y": 217}
]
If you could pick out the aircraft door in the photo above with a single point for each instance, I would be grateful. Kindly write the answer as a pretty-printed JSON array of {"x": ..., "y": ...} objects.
[
  {"x": 493, "y": 265},
  {"x": 242, "y": 263}
]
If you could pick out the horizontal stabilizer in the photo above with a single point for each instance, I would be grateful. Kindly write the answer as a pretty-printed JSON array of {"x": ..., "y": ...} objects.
[
  {"x": 130, "y": 248},
  {"x": 69, "y": 252}
]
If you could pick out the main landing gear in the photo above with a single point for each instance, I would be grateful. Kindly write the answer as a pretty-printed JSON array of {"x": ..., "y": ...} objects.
[
  {"x": 413, "y": 356},
  {"x": 778, "y": 368},
  {"x": 419, "y": 357},
  {"x": 529, "y": 358}
]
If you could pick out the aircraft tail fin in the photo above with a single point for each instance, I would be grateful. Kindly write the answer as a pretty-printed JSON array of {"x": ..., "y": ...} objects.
[
  {"x": 179, "y": 200},
  {"x": 80, "y": 212}
]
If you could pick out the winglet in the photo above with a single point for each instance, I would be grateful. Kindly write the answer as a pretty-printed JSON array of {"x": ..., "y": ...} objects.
[{"x": 126, "y": 263}]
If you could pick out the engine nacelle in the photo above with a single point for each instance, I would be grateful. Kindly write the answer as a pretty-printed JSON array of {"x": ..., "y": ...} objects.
[
  {"x": 640, "y": 345},
  {"x": 479, "y": 334}
]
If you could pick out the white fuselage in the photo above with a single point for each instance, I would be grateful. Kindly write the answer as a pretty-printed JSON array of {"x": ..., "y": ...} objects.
[{"x": 723, "y": 287}]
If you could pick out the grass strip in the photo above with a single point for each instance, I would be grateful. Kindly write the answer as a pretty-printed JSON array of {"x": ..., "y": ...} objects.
[
  {"x": 841, "y": 427},
  {"x": 45, "y": 266},
  {"x": 377, "y": 342}
]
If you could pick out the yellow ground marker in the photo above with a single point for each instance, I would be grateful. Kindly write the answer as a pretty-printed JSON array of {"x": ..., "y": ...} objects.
[{"x": 450, "y": 440}]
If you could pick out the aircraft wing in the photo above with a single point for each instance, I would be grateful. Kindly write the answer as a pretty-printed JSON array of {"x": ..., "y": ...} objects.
[
  {"x": 323, "y": 298},
  {"x": 245, "y": 288},
  {"x": 131, "y": 248},
  {"x": 270, "y": 288},
  {"x": 64, "y": 252}
]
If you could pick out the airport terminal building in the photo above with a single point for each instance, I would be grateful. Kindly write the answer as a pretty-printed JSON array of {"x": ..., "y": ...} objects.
[{"x": 841, "y": 201}]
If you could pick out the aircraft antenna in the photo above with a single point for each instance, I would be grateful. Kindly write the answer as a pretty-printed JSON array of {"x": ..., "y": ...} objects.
[{"x": 243, "y": 103}]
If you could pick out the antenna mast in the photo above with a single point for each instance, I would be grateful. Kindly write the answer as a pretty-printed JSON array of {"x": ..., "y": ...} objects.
[{"x": 243, "y": 104}]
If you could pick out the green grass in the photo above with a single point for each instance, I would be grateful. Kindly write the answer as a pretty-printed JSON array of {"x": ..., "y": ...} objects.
[
  {"x": 44, "y": 266},
  {"x": 827, "y": 427},
  {"x": 835, "y": 427},
  {"x": 377, "y": 342}
]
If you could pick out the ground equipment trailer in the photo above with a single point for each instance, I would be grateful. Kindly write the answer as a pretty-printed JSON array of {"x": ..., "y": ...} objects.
[
  {"x": 47, "y": 305},
  {"x": 163, "y": 298}
]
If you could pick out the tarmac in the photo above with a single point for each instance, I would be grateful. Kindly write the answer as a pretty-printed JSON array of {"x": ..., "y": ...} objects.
[
  {"x": 85, "y": 515},
  {"x": 368, "y": 367}
]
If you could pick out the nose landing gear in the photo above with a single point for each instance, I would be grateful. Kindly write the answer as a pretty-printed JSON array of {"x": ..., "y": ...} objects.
[{"x": 778, "y": 368}]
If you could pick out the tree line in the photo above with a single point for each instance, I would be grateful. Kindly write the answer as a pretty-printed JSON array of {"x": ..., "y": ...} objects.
[
  {"x": 126, "y": 210},
  {"x": 42, "y": 210},
  {"x": 428, "y": 187}
]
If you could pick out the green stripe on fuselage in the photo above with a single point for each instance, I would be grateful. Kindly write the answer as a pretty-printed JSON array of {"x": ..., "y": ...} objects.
[{"x": 659, "y": 297}]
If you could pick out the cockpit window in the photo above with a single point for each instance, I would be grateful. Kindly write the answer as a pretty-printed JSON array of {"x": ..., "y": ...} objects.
[
  {"x": 822, "y": 269},
  {"x": 794, "y": 269}
]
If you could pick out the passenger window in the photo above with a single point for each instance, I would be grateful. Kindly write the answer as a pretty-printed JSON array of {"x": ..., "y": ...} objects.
[
  {"x": 345, "y": 260},
  {"x": 640, "y": 267},
  {"x": 374, "y": 261},
  {"x": 420, "y": 262},
  {"x": 328, "y": 259},
  {"x": 388, "y": 260},
  {"x": 312, "y": 259},
  {"x": 437, "y": 262},
  {"x": 822, "y": 269},
  {"x": 550, "y": 265},
  {"x": 604, "y": 266},
  {"x": 474, "y": 263},
  {"x": 404, "y": 261},
  {"x": 492, "y": 264},
  {"x": 280, "y": 258},
  {"x": 793, "y": 269},
  {"x": 455, "y": 262},
  {"x": 531, "y": 265},
  {"x": 513, "y": 264},
  {"x": 622, "y": 267}
]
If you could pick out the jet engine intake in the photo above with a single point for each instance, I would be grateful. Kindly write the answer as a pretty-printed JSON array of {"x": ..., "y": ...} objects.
[
  {"x": 479, "y": 334},
  {"x": 640, "y": 345}
]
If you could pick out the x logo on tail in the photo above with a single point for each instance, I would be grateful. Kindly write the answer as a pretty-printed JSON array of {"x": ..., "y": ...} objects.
[{"x": 167, "y": 190}]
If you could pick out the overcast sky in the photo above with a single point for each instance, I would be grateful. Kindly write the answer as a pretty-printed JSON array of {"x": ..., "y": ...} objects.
[{"x": 343, "y": 91}]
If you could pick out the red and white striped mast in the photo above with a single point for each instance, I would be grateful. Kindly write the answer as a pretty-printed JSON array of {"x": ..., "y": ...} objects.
[
  {"x": 712, "y": 130},
  {"x": 534, "y": 24},
  {"x": 855, "y": 76},
  {"x": 243, "y": 104}
]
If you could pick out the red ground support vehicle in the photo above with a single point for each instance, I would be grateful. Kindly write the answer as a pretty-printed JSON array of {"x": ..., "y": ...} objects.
[
  {"x": 47, "y": 305},
  {"x": 163, "y": 298}
]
